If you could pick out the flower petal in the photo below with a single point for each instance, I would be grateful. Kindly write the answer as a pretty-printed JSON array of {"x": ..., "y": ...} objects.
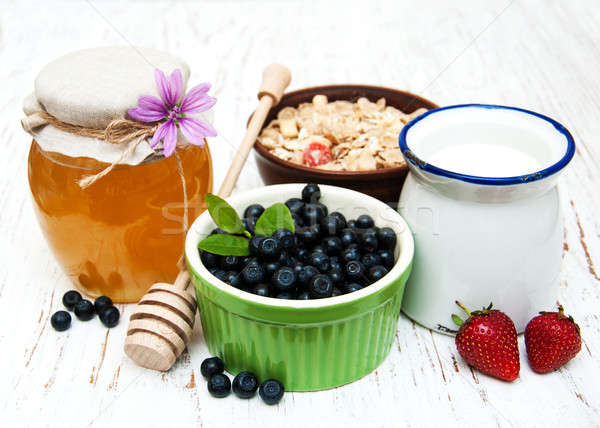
[
  {"x": 196, "y": 102},
  {"x": 162, "y": 84},
  {"x": 176, "y": 86},
  {"x": 149, "y": 109},
  {"x": 159, "y": 134},
  {"x": 195, "y": 130},
  {"x": 170, "y": 140}
]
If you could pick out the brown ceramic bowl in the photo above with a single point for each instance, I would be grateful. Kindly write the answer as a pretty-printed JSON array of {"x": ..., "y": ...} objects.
[{"x": 383, "y": 184}]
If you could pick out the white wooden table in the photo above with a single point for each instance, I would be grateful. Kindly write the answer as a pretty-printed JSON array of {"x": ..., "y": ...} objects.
[{"x": 542, "y": 55}]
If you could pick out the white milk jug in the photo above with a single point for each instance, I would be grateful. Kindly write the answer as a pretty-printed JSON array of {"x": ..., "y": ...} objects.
[{"x": 482, "y": 203}]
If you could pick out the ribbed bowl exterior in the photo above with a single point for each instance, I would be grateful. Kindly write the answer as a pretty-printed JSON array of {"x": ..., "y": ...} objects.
[{"x": 306, "y": 356}]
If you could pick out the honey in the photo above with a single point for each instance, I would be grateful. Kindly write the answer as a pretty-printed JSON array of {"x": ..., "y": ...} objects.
[{"x": 125, "y": 232}]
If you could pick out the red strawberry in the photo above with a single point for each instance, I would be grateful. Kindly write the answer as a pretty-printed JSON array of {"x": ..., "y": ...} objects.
[
  {"x": 487, "y": 340},
  {"x": 551, "y": 339},
  {"x": 316, "y": 154}
]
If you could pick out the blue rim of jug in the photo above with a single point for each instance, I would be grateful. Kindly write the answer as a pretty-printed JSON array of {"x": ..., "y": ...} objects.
[{"x": 498, "y": 181}]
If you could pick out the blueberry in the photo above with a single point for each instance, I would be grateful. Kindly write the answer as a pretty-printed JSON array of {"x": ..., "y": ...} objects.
[
  {"x": 297, "y": 268},
  {"x": 336, "y": 275},
  {"x": 291, "y": 261},
  {"x": 387, "y": 238},
  {"x": 61, "y": 320},
  {"x": 355, "y": 271},
  {"x": 219, "y": 385},
  {"x": 348, "y": 236},
  {"x": 249, "y": 224},
  {"x": 270, "y": 268},
  {"x": 71, "y": 298},
  {"x": 303, "y": 254},
  {"x": 283, "y": 258},
  {"x": 295, "y": 205},
  {"x": 334, "y": 263},
  {"x": 311, "y": 193},
  {"x": 244, "y": 261},
  {"x": 298, "y": 222},
  {"x": 234, "y": 279},
  {"x": 313, "y": 213},
  {"x": 284, "y": 279},
  {"x": 220, "y": 274},
  {"x": 377, "y": 272},
  {"x": 269, "y": 249},
  {"x": 350, "y": 254},
  {"x": 245, "y": 385},
  {"x": 209, "y": 260},
  {"x": 387, "y": 258},
  {"x": 307, "y": 273},
  {"x": 229, "y": 263},
  {"x": 217, "y": 231},
  {"x": 369, "y": 243},
  {"x": 309, "y": 234},
  {"x": 109, "y": 316},
  {"x": 285, "y": 295},
  {"x": 305, "y": 295},
  {"x": 332, "y": 224},
  {"x": 318, "y": 249},
  {"x": 84, "y": 310},
  {"x": 340, "y": 216},
  {"x": 261, "y": 290},
  {"x": 254, "y": 210},
  {"x": 271, "y": 391},
  {"x": 211, "y": 366},
  {"x": 351, "y": 287},
  {"x": 351, "y": 224},
  {"x": 101, "y": 303},
  {"x": 332, "y": 245},
  {"x": 336, "y": 292},
  {"x": 370, "y": 259},
  {"x": 320, "y": 286},
  {"x": 319, "y": 260},
  {"x": 254, "y": 244},
  {"x": 285, "y": 237},
  {"x": 253, "y": 273},
  {"x": 364, "y": 221}
]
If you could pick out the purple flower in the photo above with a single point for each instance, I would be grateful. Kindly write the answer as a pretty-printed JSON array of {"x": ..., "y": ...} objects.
[{"x": 175, "y": 112}]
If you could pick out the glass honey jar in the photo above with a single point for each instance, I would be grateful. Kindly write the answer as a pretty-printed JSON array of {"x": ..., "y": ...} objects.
[{"x": 126, "y": 231}]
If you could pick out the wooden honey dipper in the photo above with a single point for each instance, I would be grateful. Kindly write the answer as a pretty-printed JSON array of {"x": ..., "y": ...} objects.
[{"x": 162, "y": 324}]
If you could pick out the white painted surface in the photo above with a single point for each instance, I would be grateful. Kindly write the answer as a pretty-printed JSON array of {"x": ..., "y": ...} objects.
[{"x": 543, "y": 55}]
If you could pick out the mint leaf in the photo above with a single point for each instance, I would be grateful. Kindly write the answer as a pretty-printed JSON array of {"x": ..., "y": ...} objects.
[
  {"x": 224, "y": 215},
  {"x": 275, "y": 217},
  {"x": 225, "y": 245}
]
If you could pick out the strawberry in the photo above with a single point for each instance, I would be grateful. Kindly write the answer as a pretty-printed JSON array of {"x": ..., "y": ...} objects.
[
  {"x": 487, "y": 340},
  {"x": 316, "y": 154},
  {"x": 551, "y": 339}
]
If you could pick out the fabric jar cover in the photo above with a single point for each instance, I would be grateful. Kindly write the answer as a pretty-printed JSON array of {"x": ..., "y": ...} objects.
[{"x": 90, "y": 88}]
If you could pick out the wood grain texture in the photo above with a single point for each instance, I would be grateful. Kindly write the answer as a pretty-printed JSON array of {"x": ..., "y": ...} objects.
[{"x": 538, "y": 54}]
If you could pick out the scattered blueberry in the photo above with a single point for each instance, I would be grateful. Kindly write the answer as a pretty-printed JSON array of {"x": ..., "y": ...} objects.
[
  {"x": 355, "y": 271},
  {"x": 102, "y": 303},
  {"x": 295, "y": 205},
  {"x": 71, "y": 298},
  {"x": 285, "y": 237},
  {"x": 370, "y": 259},
  {"x": 253, "y": 273},
  {"x": 255, "y": 244},
  {"x": 271, "y": 391},
  {"x": 320, "y": 260},
  {"x": 307, "y": 274},
  {"x": 332, "y": 245},
  {"x": 350, "y": 254},
  {"x": 336, "y": 275},
  {"x": 312, "y": 214},
  {"x": 311, "y": 193},
  {"x": 369, "y": 243},
  {"x": 250, "y": 224},
  {"x": 109, "y": 316},
  {"x": 245, "y": 385},
  {"x": 229, "y": 263},
  {"x": 61, "y": 320},
  {"x": 211, "y": 366},
  {"x": 387, "y": 258},
  {"x": 333, "y": 224},
  {"x": 84, "y": 310},
  {"x": 219, "y": 385}
]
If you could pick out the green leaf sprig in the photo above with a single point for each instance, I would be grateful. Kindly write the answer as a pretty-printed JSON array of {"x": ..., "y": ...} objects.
[{"x": 236, "y": 242}]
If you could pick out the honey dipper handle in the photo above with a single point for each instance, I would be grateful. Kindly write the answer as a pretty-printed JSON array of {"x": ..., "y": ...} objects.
[
  {"x": 182, "y": 280},
  {"x": 276, "y": 78}
]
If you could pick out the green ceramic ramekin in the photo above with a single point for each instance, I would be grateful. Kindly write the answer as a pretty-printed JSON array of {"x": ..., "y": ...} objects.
[{"x": 306, "y": 344}]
